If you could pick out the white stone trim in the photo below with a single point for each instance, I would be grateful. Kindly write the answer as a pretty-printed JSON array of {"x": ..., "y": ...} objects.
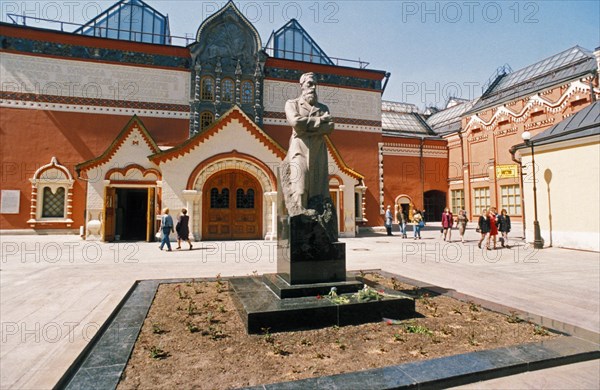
[{"x": 93, "y": 109}]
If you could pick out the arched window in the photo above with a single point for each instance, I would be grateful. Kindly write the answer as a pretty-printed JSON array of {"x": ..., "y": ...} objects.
[
  {"x": 219, "y": 201},
  {"x": 208, "y": 88},
  {"x": 206, "y": 118},
  {"x": 227, "y": 90},
  {"x": 247, "y": 92},
  {"x": 51, "y": 195},
  {"x": 53, "y": 203},
  {"x": 244, "y": 201}
]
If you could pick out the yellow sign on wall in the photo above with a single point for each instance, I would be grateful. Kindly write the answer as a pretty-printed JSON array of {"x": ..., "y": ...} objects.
[{"x": 506, "y": 171}]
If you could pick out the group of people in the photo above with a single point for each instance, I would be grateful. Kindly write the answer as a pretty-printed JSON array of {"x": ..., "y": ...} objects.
[
  {"x": 182, "y": 229},
  {"x": 489, "y": 225},
  {"x": 402, "y": 221}
]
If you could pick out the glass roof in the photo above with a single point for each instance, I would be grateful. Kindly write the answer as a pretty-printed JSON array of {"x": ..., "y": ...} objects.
[
  {"x": 292, "y": 42},
  {"x": 557, "y": 61},
  {"x": 129, "y": 20},
  {"x": 449, "y": 115},
  {"x": 403, "y": 122},
  {"x": 387, "y": 105},
  {"x": 555, "y": 70}
]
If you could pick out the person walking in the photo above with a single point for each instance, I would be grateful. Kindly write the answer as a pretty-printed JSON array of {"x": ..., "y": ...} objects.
[
  {"x": 419, "y": 223},
  {"x": 401, "y": 218},
  {"x": 504, "y": 227},
  {"x": 462, "y": 224},
  {"x": 388, "y": 220},
  {"x": 447, "y": 222},
  {"x": 483, "y": 226},
  {"x": 182, "y": 229},
  {"x": 493, "y": 226},
  {"x": 166, "y": 225}
]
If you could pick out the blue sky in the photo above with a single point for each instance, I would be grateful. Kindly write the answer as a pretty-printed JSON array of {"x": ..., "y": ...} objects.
[{"x": 433, "y": 49}]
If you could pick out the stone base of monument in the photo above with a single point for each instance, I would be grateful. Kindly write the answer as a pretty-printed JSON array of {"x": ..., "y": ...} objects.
[
  {"x": 280, "y": 286},
  {"x": 261, "y": 308}
]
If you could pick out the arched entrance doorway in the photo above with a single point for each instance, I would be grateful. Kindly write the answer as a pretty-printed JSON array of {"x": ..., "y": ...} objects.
[
  {"x": 232, "y": 207},
  {"x": 435, "y": 202},
  {"x": 404, "y": 204}
]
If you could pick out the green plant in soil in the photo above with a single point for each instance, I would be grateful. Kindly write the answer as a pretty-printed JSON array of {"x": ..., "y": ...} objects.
[
  {"x": 398, "y": 337},
  {"x": 267, "y": 336},
  {"x": 191, "y": 309},
  {"x": 418, "y": 329},
  {"x": 540, "y": 331},
  {"x": 157, "y": 353},
  {"x": 513, "y": 318},
  {"x": 156, "y": 329},
  {"x": 192, "y": 328}
]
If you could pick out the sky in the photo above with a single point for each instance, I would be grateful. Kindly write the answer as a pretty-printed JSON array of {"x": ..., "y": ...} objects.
[{"x": 433, "y": 49}]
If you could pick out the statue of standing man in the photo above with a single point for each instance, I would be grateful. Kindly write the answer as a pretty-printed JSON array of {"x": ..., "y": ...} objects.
[{"x": 305, "y": 174}]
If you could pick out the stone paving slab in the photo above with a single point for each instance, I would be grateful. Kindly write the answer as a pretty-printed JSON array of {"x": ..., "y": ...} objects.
[{"x": 62, "y": 282}]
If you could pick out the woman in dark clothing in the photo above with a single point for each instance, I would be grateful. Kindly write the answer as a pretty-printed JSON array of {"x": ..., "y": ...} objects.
[
  {"x": 484, "y": 227},
  {"x": 182, "y": 228},
  {"x": 504, "y": 227}
]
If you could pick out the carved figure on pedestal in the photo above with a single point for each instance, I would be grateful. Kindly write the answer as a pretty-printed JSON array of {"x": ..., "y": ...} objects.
[{"x": 305, "y": 174}]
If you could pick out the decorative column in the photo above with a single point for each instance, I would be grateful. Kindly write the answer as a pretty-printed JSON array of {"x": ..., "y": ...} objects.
[
  {"x": 218, "y": 72},
  {"x": 271, "y": 198},
  {"x": 238, "y": 81},
  {"x": 257, "y": 92},
  {"x": 194, "y": 115},
  {"x": 191, "y": 196}
]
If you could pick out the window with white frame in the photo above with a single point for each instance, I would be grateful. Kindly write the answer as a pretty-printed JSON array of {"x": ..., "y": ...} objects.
[
  {"x": 511, "y": 199},
  {"x": 481, "y": 199},
  {"x": 51, "y": 194},
  {"x": 458, "y": 200}
]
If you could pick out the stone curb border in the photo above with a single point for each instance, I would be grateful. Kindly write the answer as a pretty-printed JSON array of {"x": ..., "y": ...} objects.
[{"x": 102, "y": 362}]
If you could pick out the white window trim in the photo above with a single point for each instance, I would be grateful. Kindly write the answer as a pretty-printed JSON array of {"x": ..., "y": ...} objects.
[
  {"x": 360, "y": 214},
  {"x": 37, "y": 194}
]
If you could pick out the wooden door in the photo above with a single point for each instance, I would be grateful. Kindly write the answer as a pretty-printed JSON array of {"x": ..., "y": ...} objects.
[
  {"x": 110, "y": 201},
  {"x": 150, "y": 217},
  {"x": 232, "y": 207}
]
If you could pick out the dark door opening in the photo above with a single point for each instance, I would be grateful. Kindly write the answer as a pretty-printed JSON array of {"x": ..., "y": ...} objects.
[
  {"x": 131, "y": 214},
  {"x": 435, "y": 202}
]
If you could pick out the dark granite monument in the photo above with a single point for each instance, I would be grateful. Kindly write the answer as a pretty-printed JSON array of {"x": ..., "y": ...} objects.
[{"x": 311, "y": 262}]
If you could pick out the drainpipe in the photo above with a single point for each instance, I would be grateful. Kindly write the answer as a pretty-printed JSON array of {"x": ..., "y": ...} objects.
[
  {"x": 422, "y": 174},
  {"x": 520, "y": 164}
]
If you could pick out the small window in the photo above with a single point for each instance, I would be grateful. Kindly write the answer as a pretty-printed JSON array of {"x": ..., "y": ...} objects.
[
  {"x": 247, "y": 92},
  {"x": 227, "y": 90},
  {"x": 206, "y": 119},
  {"x": 208, "y": 88}
]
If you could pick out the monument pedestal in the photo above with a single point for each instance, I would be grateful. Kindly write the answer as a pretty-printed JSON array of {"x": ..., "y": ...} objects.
[
  {"x": 260, "y": 308},
  {"x": 310, "y": 263}
]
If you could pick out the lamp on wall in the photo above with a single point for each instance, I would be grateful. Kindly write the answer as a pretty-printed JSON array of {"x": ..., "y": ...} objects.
[{"x": 538, "y": 242}]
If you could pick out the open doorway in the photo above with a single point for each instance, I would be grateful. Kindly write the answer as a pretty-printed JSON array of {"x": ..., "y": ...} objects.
[
  {"x": 435, "y": 202},
  {"x": 131, "y": 214}
]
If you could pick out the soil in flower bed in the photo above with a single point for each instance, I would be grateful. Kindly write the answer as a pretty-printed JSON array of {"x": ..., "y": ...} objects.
[{"x": 193, "y": 337}]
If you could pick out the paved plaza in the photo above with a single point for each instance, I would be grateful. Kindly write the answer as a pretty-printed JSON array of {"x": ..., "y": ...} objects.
[{"x": 56, "y": 291}]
